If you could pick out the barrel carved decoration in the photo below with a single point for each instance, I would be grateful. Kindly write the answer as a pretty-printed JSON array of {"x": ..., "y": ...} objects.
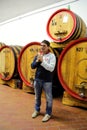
[
  {"x": 72, "y": 69},
  {"x": 64, "y": 26}
]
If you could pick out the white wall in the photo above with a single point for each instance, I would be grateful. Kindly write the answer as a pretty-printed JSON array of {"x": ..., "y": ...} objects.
[{"x": 21, "y": 31}]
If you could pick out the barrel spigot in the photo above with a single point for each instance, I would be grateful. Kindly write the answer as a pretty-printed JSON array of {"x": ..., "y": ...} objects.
[{"x": 82, "y": 87}]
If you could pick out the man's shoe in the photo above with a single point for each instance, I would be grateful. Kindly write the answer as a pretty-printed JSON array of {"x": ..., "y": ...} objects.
[
  {"x": 46, "y": 118},
  {"x": 35, "y": 114}
]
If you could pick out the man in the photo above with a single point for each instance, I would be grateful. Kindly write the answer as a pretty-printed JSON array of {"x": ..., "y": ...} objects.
[{"x": 45, "y": 64}]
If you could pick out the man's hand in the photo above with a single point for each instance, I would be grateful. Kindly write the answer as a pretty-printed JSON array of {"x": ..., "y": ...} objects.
[{"x": 39, "y": 57}]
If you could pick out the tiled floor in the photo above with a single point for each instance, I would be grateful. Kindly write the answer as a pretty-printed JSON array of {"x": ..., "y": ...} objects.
[{"x": 17, "y": 106}]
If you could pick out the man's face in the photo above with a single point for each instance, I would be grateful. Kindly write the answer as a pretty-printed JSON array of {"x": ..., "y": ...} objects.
[{"x": 44, "y": 48}]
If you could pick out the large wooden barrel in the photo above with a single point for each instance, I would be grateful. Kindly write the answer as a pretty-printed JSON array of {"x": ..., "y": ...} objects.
[
  {"x": 8, "y": 62},
  {"x": 25, "y": 59},
  {"x": 72, "y": 69},
  {"x": 24, "y": 62},
  {"x": 64, "y": 26}
]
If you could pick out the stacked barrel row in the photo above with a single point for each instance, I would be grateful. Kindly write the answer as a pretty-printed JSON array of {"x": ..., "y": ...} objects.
[
  {"x": 16, "y": 64},
  {"x": 68, "y": 32}
]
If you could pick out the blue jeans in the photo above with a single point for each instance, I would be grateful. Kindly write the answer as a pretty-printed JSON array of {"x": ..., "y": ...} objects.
[{"x": 47, "y": 87}]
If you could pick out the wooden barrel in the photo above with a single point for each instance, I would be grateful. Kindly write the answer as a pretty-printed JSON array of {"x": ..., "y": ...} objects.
[
  {"x": 72, "y": 69},
  {"x": 24, "y": 62},
  {"x": 25, "y": 59},
  {"x": 8, "y": 62},
  {"x": 64, "y": 26}
]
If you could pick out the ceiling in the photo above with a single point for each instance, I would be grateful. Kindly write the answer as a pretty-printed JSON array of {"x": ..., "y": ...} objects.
[{"x": 12, "y": 8}]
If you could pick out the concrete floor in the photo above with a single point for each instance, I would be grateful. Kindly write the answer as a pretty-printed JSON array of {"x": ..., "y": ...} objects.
[{"x": 16, "y": 108}]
